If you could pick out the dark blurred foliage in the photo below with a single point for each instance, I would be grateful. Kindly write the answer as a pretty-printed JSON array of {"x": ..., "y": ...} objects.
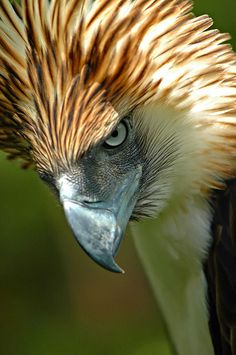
[{"x": 53, "y": 299}]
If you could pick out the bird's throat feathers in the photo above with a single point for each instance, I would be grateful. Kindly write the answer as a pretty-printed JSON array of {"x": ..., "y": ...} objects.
[{"x": 70, "y": 69}]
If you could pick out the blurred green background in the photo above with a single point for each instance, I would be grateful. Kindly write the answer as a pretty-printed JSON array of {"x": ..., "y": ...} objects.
[{"x": 53, "y": 299}]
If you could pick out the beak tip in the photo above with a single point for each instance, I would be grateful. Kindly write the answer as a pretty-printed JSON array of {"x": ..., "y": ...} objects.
[
  {"x": 108, "y": 263},
  {"x": 119, "y": 270}
]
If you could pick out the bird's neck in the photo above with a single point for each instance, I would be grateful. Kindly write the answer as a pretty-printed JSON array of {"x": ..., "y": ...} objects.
[{"x": 172, "y": 248}]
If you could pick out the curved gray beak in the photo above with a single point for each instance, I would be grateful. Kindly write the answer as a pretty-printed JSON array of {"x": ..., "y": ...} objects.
[{"x": 100, "y": 226}]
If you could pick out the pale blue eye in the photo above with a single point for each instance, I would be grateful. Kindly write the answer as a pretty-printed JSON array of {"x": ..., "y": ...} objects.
[{"x": 118, "y": 136}]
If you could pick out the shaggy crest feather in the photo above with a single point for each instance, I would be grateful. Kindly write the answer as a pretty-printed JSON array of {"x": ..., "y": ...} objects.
[{"x": 69, "y": 69}]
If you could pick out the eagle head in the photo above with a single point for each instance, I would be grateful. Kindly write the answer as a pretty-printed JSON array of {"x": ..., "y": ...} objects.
[{"x": 124, "y": 108}]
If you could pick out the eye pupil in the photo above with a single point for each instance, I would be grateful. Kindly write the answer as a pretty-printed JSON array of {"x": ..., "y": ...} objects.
[{"x": 115, "y": 134}]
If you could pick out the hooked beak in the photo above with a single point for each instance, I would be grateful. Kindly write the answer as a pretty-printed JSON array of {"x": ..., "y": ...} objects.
[{"x": 100, "y": 226}]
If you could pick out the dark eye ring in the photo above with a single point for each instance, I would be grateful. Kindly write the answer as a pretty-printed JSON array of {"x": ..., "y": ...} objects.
[{"x": 118, "y": 136}]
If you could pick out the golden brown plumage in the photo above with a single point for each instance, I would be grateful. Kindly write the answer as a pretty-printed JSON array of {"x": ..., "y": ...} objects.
[{"x": 57, "y": 57}]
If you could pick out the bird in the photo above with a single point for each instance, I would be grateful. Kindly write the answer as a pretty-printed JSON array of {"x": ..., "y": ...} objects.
[{"x": 127, "y": 111}]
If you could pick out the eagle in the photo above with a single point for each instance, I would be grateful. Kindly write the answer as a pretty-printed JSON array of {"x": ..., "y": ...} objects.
[{"x": 127, "y": 111}]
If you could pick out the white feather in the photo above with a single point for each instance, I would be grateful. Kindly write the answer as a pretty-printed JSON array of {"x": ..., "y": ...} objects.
[{"x": 172, "y": 248}]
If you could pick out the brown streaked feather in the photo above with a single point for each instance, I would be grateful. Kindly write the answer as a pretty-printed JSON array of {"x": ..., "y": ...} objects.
[
  {"x": 221, "y": 272},
  {"x": 56, "y": 57}
]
